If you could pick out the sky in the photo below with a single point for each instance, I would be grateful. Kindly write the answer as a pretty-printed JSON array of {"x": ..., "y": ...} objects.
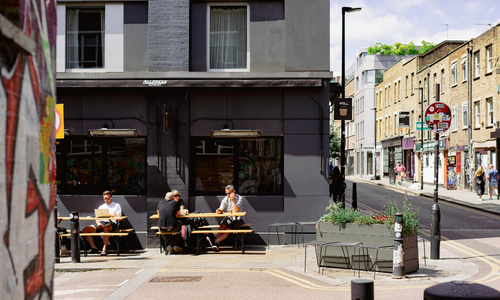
[{"x": 391, "y": 21}]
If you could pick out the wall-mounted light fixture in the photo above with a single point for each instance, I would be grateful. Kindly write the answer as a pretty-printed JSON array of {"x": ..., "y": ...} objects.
[
  {"x": 104, "y": 132},
  {"x": 67, "y": 132},
  {"x": 235, "y": 133}
]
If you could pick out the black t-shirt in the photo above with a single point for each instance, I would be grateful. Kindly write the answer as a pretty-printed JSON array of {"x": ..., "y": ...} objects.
[{"x": 167, "y": 210}]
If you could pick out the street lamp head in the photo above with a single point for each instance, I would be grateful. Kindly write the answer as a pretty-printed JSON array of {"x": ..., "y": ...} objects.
[{"x": 350, "y": 9}]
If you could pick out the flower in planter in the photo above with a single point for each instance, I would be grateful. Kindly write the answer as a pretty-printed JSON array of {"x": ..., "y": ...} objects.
[{"x": 409, "y": 211}]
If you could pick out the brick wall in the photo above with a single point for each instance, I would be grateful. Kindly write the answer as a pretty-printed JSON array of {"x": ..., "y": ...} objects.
[{"x": 168, "y": 35}]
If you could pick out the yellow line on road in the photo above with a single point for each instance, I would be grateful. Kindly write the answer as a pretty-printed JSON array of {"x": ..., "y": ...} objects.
[{"x": 474, "y": 253}]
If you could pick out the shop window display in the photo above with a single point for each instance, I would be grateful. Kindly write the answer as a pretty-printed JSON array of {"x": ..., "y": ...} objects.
[
  {"x": 89, "y": 165},
  {"x": 258, "y": 165}
]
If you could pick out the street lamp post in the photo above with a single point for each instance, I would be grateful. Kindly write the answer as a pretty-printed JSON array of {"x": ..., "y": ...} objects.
[
  {"x": 421, "y": 137},
  {"x": 342, "y": 129}
]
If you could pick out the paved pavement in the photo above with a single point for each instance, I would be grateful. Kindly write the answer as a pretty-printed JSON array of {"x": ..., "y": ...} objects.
[
  {"x": 287, "y": 262},
  {"x": 462, "y": 197}
]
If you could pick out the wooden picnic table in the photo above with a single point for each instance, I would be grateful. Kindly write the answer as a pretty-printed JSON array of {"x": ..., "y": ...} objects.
[
  {"x": 94, "y": 218},
  {"x": 208, "y": 215}
]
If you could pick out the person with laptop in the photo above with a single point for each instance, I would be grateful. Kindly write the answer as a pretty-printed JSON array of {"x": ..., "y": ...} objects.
[{"x": 114, "y": 210}]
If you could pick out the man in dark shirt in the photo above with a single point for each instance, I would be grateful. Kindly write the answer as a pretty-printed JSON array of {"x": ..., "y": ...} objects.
[{"x": 167, "y": 212}]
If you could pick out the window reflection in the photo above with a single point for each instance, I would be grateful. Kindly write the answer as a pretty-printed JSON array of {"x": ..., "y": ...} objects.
[{"x": 258, "y": 165}]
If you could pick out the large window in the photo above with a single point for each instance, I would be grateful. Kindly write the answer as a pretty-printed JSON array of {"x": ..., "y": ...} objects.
[
  {"x": 454, "y": 120},
  {"x": 477, "y": 111},
  {"x": 85, "y": 38},
  {"x": 370, "y": 76},
  {"x": 91, "y": 165},
  {"x": 228, "y": 37},
  {"x": 252, "y": 165},
  {"x": 489, "y": 107}
]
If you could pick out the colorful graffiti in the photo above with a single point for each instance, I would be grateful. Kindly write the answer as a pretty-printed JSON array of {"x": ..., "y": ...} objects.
[{"x": 27, "y": 166}]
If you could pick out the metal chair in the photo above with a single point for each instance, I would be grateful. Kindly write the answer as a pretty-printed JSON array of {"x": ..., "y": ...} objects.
[
  {"x": 315, "y": 244},
  {"x": 293, "y": 226},
  {"x": 301, "y": 224},
  {"x": 343, "y": 245},
  {"x": 375, "y": 263}
]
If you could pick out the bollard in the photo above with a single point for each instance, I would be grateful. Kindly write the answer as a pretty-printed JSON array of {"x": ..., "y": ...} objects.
[
  {"x": 354, "y": 197},
  {"x": 460, "y": 290},
  {"x": 398, "y": 259},
  {"x": 74, "y": 227},
  {"x": 362, "y": 289},
  {"x": 435, "y": 231}
]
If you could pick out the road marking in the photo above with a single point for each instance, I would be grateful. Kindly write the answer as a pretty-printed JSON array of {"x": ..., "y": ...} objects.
[
  {"x": 126, "y": 280},
  {"x": 68, "y": 292},
  {"x": 474, "y": 253},
  {"x": 139, "y": 271}
]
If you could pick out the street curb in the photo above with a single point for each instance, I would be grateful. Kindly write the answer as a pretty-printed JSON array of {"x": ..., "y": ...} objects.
[{"x": 425, "y": 194}]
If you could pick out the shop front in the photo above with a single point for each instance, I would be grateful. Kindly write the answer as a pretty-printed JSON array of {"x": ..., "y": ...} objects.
[
  {"x": 392, "y": 154},
  {"x": 408, "y": 156},
  {"x": 458, "y": 165},
  {"x": 428, "y": 160}
]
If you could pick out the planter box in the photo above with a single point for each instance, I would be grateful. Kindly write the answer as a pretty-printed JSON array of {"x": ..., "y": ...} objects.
[{"x": 377, "y": 234}]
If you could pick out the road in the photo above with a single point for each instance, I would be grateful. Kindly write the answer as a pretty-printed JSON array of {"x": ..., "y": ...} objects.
[{"x": 470, "y": 240}]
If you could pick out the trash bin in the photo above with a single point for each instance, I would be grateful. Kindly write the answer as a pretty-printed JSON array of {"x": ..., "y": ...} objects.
[{"x": 460, "y": 290}]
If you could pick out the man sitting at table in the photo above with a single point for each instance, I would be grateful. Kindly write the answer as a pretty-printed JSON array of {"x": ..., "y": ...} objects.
[
  {"x": 231, "y": 203},
  {"x": 115, "y": 210},
  {"x": 168, "y": 210}
]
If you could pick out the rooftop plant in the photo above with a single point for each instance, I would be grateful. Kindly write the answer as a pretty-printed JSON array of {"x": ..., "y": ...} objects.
[{"x": 400, "y": 49}]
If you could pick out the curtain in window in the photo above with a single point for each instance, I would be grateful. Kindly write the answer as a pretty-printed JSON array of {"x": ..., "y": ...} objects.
[
  {"x": 228, "y": 38},
  {"x": 72, "y": 38}
]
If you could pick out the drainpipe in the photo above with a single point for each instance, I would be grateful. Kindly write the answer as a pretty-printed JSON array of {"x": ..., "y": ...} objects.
[{"x": 469, "y": 109}]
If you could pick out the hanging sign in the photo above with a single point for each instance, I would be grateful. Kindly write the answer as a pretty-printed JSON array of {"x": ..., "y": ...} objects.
[
  {"x": 438, "y": 117},
  {"x": 59, "y": 121}
]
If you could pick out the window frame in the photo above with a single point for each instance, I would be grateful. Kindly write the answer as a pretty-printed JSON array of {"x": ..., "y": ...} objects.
[
  {"x": 235, "y": 142},
  {"x": 245, "y": 4},
  {"x": 454, "y": 119},
  {"x": 477, "y": 64},
  {"x": 443, "y": 80},
  {"x": 465, "y": 119},
  {"x": 66, "y": 38},
  {"x": 489, "y": 111},
  {"x": 477, "y": 113},
  {"x": 464, "y": 68},
  {"x": 454, "y": 75},
  {"x": 489, "y": 59}
]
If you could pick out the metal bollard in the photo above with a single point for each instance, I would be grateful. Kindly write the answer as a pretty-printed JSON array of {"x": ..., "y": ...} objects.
[
  {"x": 362, "y": 289},
  {"x": 74, "y": 227},
  {"x": 354, "y": 196},
  {"x": 435, "y": 231},
  {"x": 398, "y": 260},
  {"x": 460, "y": 290}
]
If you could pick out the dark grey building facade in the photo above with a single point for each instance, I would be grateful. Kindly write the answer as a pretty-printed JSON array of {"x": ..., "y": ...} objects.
[{"x": 182, "y": 75}]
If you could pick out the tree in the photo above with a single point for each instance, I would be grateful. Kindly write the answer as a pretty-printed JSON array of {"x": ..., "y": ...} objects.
[
  {"x": 334, "y": 143},
  {"x": 399, "y": 49}
]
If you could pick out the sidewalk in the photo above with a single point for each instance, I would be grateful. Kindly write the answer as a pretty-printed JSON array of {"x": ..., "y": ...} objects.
[
  {"x": 462, "y": 197},
  {"x": 289, "y": 259}
]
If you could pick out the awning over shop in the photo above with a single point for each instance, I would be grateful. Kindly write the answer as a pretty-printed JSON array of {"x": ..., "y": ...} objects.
[{"x": 408, "y": 143}]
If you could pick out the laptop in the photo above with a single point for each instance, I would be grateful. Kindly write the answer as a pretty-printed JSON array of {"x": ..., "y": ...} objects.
[{"x": 102, "y": 213}]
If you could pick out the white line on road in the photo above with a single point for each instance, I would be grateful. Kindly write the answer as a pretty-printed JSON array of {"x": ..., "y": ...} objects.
[{"x": 139, "y": 271}]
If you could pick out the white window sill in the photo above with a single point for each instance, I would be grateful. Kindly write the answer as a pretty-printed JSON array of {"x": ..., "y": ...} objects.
[
  {"x": 454, "y": 85},
  {"x": 85, "y": 70},
  {"x": 228, "y": 70}
]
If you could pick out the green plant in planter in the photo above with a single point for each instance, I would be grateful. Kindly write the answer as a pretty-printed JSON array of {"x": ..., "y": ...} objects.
[
  {"x": 340, "y": 216},
  {"x": 409, "y": 211}
]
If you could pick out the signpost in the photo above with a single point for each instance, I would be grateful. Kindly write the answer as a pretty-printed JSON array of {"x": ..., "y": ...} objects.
[
  {"x": 438, "y": 119},
  {"x": 419, "y": 126}
]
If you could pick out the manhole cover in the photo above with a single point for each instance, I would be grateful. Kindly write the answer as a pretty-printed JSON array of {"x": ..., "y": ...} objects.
[{"x": 176, "y": 279}]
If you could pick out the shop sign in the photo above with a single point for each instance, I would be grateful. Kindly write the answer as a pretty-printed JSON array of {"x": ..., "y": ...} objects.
[
  {"x": 443, "y": 144},
  {"x": 59, "y": 121},
  {"x": 154, "y": 82},
  {"x": 438, "y": 117},
  {"x": 460, "y": 148},
  {"x": 404, "y": 119}
]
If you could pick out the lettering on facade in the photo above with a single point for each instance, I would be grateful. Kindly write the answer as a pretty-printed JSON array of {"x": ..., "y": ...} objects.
[{"x": 154, "y": 82}]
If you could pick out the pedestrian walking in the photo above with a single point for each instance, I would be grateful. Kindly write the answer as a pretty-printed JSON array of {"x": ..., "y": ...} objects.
[
  {"x": 336, "y": 189},
  {"x": 480, "y": 181},
  {"x": 493, "y": 177}
]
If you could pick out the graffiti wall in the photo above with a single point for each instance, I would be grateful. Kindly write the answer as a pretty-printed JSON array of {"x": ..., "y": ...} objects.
[{"x": 27, "y": 171}]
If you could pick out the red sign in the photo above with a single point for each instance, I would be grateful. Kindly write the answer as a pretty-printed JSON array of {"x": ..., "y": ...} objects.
[{"x": 438, "y": 117}]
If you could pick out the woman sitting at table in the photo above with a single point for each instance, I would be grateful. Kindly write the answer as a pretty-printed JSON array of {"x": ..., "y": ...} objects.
[{"x": 232, "y": 203}]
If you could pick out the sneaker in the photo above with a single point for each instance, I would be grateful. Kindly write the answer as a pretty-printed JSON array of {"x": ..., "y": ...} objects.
[
  {"x": 178, "y": 249},
  {"x": 104, "y": 253},
  {"x": 215, "y": 247},
  {"x": 169, "y": 249},
  {"x": 65, "y": 251},
  {"x": 210, "y": 242},
  {"x": 490, "y": 198}
]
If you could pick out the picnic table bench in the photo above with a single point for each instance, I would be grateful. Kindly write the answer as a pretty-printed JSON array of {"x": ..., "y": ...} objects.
[{"x": 116, "y": 235}]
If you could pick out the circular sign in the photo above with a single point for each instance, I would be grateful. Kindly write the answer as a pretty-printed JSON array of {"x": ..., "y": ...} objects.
[
  {"x": 438, "y": 117},
  {"x": 58, "y": 123}
]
